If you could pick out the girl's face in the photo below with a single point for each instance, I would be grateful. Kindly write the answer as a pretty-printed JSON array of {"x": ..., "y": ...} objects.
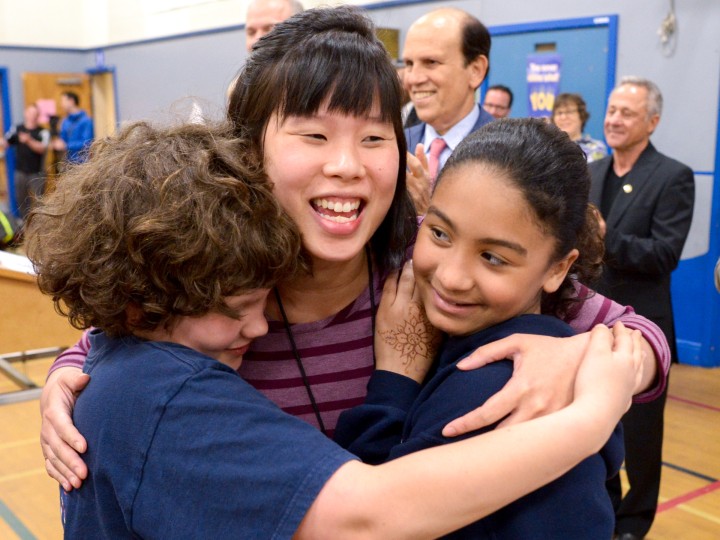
[
  {"x": 480, "y": 257},
  {"x": 335, "y": 175}
]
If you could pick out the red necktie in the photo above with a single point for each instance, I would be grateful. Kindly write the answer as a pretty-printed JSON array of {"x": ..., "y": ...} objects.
[{"x": 436, "y": 148}]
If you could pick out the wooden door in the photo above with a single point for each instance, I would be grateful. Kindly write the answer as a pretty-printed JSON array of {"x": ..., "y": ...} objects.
[
  {"x": 97, "y": 97},
  {"x": 43, "y": 87}
]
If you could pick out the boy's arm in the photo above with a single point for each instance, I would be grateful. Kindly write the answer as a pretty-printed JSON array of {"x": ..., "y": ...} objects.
[{"x": 598, "y": 309}]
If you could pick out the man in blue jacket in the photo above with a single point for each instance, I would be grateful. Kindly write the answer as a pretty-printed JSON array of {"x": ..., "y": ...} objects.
[
  {"x": 76, "y": 132},
  {"x": 446, "y": 57}
]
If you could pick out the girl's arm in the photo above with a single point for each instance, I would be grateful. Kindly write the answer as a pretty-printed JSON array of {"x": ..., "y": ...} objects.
[
  {"x": 61, "y": 443},
  {"x": 372, "y": 429},
  {"x": 545, "y": 368},
  {"x": 432, "y": 492},
  {"x": 405, "y": 346}
]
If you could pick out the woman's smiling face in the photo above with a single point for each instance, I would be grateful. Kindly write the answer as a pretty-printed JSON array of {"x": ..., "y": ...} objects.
[{"x": 335, "y": 175}]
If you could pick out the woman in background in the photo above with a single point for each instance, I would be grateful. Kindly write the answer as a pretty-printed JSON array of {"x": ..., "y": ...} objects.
[{"x": 570, "y": 114}]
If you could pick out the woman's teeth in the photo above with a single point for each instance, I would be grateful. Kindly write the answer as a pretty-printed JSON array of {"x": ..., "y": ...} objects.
[{"x": 338, "y": 208}]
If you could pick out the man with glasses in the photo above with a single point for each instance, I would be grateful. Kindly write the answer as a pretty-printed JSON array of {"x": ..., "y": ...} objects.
[{"x": 498, "y": 101}]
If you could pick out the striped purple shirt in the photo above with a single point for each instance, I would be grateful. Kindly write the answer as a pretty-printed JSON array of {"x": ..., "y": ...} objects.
[{"x": 337, "y": 356}]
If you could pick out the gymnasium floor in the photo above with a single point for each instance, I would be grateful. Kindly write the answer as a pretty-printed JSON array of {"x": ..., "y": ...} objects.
[{"x": 689, "y": 497}]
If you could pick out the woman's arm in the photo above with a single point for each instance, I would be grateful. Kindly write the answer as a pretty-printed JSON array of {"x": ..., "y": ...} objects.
[
  {"x": 432, "y": 492},
  {"x": 545, "y": 368},
  {"x": 61, "y": 443},
  {"x": 597, "y": 309},
  {"x": 73, "y": 356}
]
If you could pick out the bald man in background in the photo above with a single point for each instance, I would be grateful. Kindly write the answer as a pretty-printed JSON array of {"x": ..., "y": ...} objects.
[
  {"x": 262, "y": 15},
  {"x": 446, "y": 57}
]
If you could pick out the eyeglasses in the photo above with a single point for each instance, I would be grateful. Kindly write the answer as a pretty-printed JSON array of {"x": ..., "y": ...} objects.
[
  {"x": 495, "y": 107},
  {"x": 565, "y": 112}
]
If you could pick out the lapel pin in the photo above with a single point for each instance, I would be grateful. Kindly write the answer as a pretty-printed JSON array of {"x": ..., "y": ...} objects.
[{"x": 627, "y": 188}]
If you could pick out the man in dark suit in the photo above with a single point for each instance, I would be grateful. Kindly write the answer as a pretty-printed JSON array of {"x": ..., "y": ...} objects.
[
  {"x": 446, "y": 59},
  {"x": 646, "y": 200}
]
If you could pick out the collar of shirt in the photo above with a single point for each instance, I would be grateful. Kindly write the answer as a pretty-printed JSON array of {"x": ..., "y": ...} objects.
[{"x": 454, "y": 135}]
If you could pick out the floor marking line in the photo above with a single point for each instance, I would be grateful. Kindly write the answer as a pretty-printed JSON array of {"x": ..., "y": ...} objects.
[
  {"x": 690, "y": 472},
  {"x": 713, "y": 518},
  {"x": 689, "y": 496},
  {"x": 695, "y": 403},
  {"x": 14, "y": 523}
]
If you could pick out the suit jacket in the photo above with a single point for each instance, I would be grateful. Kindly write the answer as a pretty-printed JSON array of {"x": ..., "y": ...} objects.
[
  {"x": 647, "y": 226},
  {"x": 415, "y": 134}
]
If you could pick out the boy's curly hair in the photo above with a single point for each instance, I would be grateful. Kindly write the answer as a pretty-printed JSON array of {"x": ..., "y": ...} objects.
[{"x": 163, "y": 223}]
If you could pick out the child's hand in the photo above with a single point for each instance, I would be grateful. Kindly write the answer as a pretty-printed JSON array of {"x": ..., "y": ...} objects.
[
  {"x": 405, "y": 341},
  {"x": 612, "y": 368}
]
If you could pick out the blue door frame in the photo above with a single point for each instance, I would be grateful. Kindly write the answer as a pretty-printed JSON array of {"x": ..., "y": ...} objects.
[{"x": 6, "y": 124}]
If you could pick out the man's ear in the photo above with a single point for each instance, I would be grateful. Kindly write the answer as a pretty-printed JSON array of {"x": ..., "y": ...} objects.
[
  {"x": 478, "y": 70},
  {"x": 652, "y": 124},
  {"x": 558, "y": 270}
]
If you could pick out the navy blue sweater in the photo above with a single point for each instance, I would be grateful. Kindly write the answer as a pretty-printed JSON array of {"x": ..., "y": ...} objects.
[{"x": 400, "y": 416}]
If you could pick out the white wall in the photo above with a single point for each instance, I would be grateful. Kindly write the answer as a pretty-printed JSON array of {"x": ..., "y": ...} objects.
[
  {"x": 48, "y": 23},
  {"x": 88, "y": 24}
]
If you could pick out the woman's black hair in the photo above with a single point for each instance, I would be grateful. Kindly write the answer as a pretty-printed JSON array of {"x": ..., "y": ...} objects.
[
  {"x": 328, "y": 56},
  {"x": 551, "y": 171}
]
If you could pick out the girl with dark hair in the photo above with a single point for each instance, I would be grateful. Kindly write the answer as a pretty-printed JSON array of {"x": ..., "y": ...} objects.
[
  {"x": 320, "y": 102},
  {"x": 506, "y": 237}
]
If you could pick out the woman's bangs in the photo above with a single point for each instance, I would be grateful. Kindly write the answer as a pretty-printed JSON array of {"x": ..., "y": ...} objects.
[{"x": 322, "y": 76}]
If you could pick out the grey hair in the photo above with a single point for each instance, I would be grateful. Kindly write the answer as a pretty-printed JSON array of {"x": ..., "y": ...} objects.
[{"x": 654, "y": 96}]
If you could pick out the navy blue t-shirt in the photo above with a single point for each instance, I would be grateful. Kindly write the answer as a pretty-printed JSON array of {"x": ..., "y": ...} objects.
[{"x": 179, "y": 446}]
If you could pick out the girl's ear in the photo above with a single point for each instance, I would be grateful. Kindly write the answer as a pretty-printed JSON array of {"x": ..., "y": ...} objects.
[{"x": 558, "y": 270}]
